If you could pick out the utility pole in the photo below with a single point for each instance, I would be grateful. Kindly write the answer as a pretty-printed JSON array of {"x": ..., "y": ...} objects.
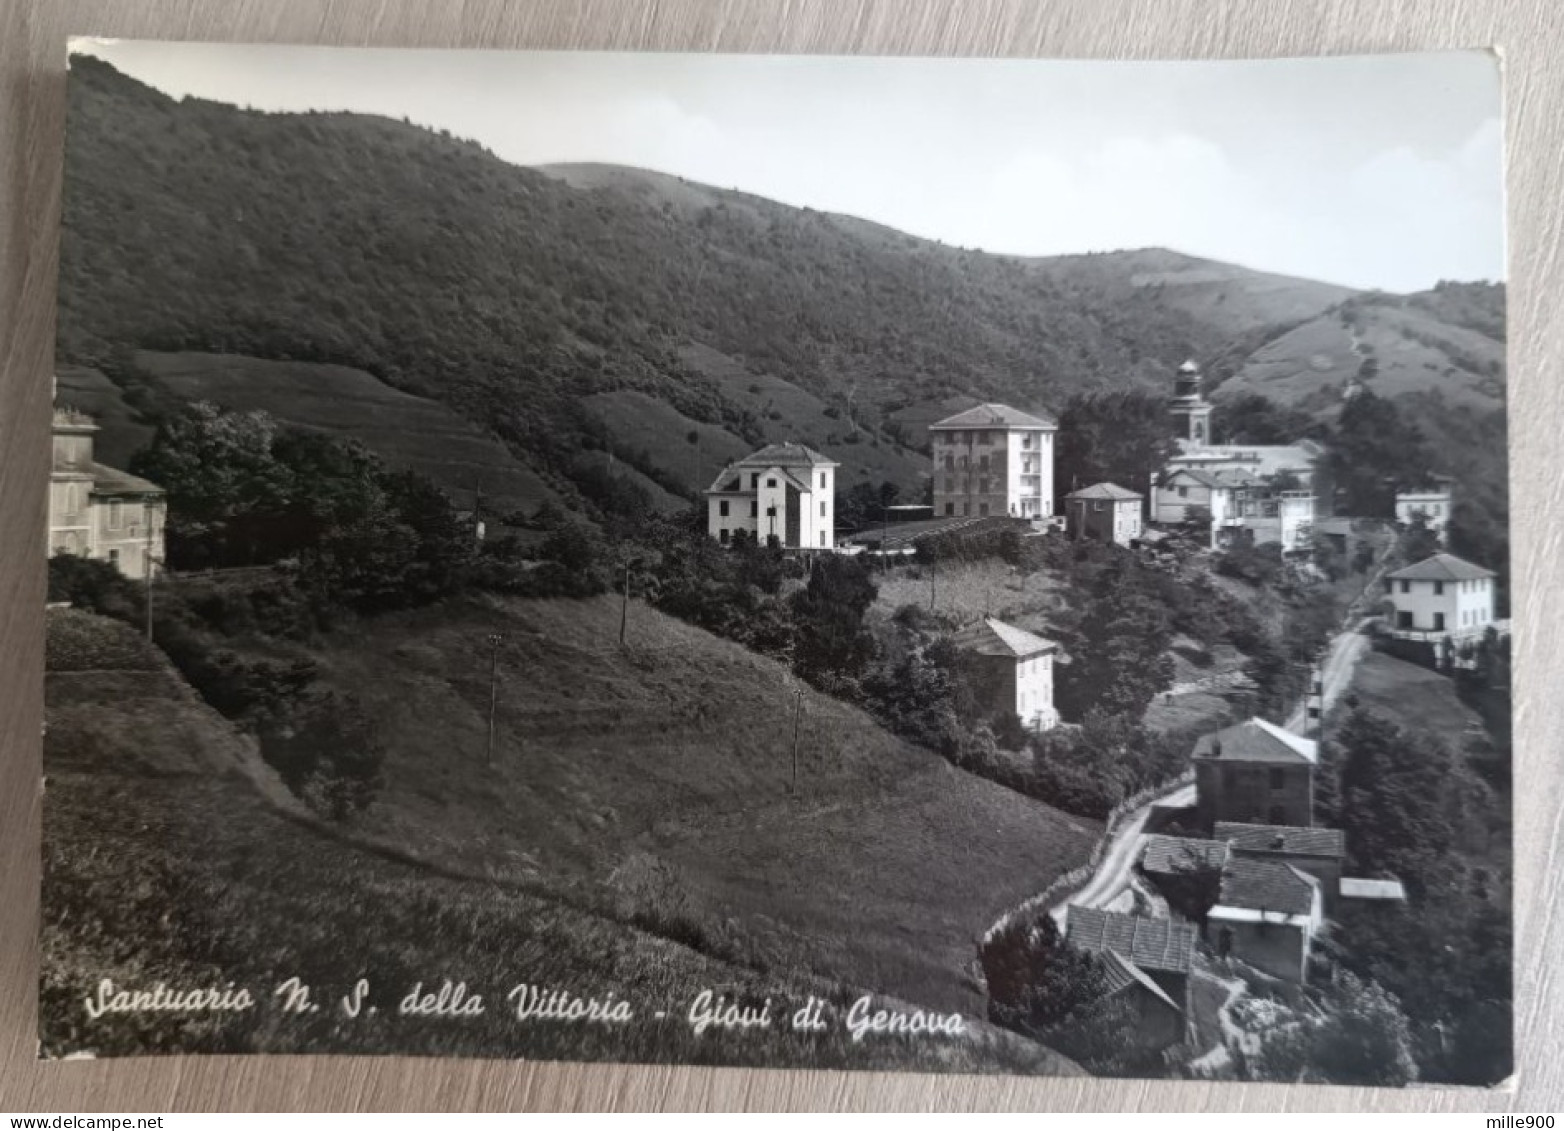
[
  {"x": 624, "y": 605},
  {"x": 798, "y": 714},
  {"x": 495, "y": 640},
  {"x": 146, "y": 563},
  {"x": 933, "y": 573}
]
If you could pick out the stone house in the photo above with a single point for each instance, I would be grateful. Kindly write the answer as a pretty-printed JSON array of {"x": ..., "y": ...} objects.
[
  {"x": 1319, "y": 852},
  {"x": 1105, "y": 512},
  {"x": 1255, "y": 773},
  {"x": 1148, "y": 963},
  {"x": 1268, "y": 915}
]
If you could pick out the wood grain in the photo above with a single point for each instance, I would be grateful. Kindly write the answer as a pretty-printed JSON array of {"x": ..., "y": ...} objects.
[{"x": 1530, "y": 34}]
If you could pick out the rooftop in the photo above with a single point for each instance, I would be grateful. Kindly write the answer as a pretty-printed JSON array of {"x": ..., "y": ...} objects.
[
  {"x": 786, "y": 455},
  {"x": 1265, "y": 885},
  {"x": 112, "y": 481},
  {"x": 1170, "y": 855},
  {"x": 1153, "y": 944},
  {"x": 993, "y": 637},
  {"x": 1122, "y": 974},
  {"x": 995, "y": 416},
  {"x": 1103, "y": 491},
  {"x": 1219, "y": 478},
  {"x": 1288, "y": 840},
  {"x": 1441, "y": 567},
  {"x": 1390, "y": 890},
  {"x": 1257, "y": 741}
]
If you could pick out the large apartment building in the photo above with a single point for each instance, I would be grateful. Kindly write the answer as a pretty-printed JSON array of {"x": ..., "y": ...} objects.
[{"x": 994, "y": 460}]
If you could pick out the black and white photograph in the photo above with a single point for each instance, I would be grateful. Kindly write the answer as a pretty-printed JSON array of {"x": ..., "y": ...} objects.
[{"x": 984, "y": 566}]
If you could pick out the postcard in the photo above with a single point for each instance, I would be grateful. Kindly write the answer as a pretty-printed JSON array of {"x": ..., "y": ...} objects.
[{"x": 944, "y": 565}]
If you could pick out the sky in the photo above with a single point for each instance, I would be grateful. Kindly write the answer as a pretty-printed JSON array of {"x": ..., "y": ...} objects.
[{"x": 1371, "y": 171}]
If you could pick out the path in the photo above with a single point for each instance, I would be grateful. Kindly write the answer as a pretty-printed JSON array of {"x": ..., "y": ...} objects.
[
  {"x": 1113, "y": 873},
  {"x": 1341, "y": 660}
]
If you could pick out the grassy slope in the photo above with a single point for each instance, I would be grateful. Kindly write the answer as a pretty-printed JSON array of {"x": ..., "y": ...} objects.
[
  {"x": 1414, "y": 697},
  {"x": 165, "y": 862},
  {"x": 405, "y": 430},
  {"x": 655, "y": 780},
  {"x": 1416, "y": 351}
]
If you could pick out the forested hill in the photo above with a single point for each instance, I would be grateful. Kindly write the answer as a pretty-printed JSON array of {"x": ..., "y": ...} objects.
[{"x": 547, "y": 304}]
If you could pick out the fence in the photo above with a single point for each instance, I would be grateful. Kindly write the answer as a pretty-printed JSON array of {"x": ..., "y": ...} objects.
[{"x": 1072, "y": 881}]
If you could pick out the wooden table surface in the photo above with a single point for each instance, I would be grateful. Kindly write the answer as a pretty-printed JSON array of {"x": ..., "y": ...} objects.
[{"x": 1530, "y": 35}]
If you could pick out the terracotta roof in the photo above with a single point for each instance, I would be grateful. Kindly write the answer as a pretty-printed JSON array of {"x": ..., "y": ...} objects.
[
  {"x": 1264, "y": 885},
  {"x": 1121, "y": 974},
  {"x": 1170, "y": 855},
  {"x": 1257, "y": 741},
  {"x": 1441, "y": 567},
  {"x": 996, "y": 638},
  {"x": 786, "y": 455},
  {"x": 1103, "y": 491},
  {"x": 1152, "y": 944},
  {"x": 1286, "y": 840},
  {"x": 112, "y": 481},
  {"x": 995, "y": 416}
]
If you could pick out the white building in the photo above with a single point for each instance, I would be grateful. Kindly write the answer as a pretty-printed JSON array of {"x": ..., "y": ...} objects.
[
  {"x": 1440, "y": 596},
  {"x": 1105, "y": 512},
  {"x": 1184, "y": 494},
  {"x": 1011, "y": 669},
  {"x": 994, "y": 460},
  {"x": 1431, "y": 502},
  {"x": 783, "y": 491},
  {"x": 97, "y": 511}
]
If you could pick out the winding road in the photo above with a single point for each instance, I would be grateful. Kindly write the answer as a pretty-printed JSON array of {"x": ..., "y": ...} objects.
[{"x": 1116, "y": 871}]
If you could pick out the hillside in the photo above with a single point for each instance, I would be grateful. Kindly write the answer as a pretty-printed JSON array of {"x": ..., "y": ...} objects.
[
  {"x": 170, "y": 855},
  {"x": 514, "y": 295},
  {"x": 1417, "y": 344},
  {"x": 878, "y": 870}
]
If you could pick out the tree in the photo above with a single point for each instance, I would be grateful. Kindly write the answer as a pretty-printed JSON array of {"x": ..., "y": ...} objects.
[
  {"x": 1123, "y": 436},
  {"x": 1374, "y": 450},
  {"x": 1357, "y": 1036},
  {"x": 832, "y": 646},
  {"x": 1036, "y": 981},
  {"x": 1256, "y": 419},
  {"x": 327, "y": 751},
  {"x": 1118, "y": 650}
]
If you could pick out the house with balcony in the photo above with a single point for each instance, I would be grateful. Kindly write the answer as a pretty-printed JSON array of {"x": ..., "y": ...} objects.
[{"x": 1441, "y": 596}]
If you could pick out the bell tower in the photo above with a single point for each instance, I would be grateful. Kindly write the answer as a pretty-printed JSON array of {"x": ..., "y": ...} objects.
[{"x": 1191, "y": 412}]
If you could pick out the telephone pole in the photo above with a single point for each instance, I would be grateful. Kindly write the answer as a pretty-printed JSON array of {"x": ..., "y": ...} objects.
[
  {"x": 495, "y": 640},
  {"x": 798, "y": 714},
  {"x": 147, "y": 563}
]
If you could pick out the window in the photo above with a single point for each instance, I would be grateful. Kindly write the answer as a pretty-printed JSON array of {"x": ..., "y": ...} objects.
[
  {"x": 983, "y": 485},
  {"x": 722, "y": 508},
  {"x": 1026, "y": 443},
  {"x": 114, "y": 557},
  {"x": 822, "y": 537},
  {"x": 950, "y": 483},
  {"x": 1183, "y": 492},
  {"x": 982, "y": 508},
  {"x": 754, "y": 480},
  {"x": 822, "y": 480},
  {"x": 115, "y": 517},
  {"x": 982, "y": 463},
  {"x": 1278, "y": 778},
  {"x": 950, "y": 508},
  {"x": 722, "y": 535},
  {"x": 1439, "y": 622},
  {"x": 771, "y": 482},
  {"x": 950, "y": 462},
  {"x": 1406, "y": 587},
  {"x": 1439, "y": 589},
  {"x": 966, "y": 510},
  {"x": 822, "y": 510},
  {"x": 754, "y": 508}
]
